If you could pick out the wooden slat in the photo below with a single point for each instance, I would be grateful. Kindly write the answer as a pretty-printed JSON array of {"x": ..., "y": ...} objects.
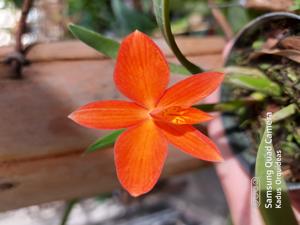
[
  {"x": 68, "y": 176},
  {"x": 72, "y": 50},
  {"x": 40, "y": 149}
]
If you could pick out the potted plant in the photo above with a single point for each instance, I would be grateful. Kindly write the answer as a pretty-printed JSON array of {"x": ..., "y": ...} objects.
[
  {"x": 252, "y": 88},
  {"x": 262, "y": 79},
  {"x": 265, "y": 49}
]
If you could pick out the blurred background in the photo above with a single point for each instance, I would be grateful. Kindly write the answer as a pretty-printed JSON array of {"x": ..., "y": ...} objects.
[
  {"x": 48, "y": 19},
  {"x": 191, "y": 199}
]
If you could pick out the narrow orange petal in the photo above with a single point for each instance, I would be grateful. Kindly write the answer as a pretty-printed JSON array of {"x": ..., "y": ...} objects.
[
  {"x": 190, "y": 140},
  {"x": 109, "y": 114},
  {"x": 140, "y": 153},
  {"x": 191, "y": 90},
  {"x": 180, "y": 115},
  {"x": 141, "y": 72}
]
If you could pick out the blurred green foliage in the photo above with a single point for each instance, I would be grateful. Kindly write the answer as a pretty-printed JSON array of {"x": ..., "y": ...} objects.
[
  {"x": 128, "y": 19},
  {"x": 183, "y": 8},
  {"x": 296, "y": 5},
  {"x": 17, "y": 3},
  {"x": 91, "y": 13},
  {"x": 237, "y": 17},
  {"x": 110, "y": 15},
  {"x": 120, "y": 17}
]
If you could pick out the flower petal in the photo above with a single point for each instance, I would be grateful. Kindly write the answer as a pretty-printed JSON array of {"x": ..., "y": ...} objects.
[
  {"x": 109, "y": 114},
  {"x": 141, "y": 73},
  {"x": 190, "y": 140},
  {"x": 140, "y": 153},
  {"x": 179, "y": 115},
  {"x": 191, "y": 90}
]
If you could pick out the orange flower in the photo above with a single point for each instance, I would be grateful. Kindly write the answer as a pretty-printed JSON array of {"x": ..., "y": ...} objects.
[{"x": 156, "y": 116}]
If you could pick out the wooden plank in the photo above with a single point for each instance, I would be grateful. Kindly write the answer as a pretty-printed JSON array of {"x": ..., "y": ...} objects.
[
  {"x": 34, "y": 110},
  {"x": 41, "y": 150},
  {"x": 72, "y": 50},
  {"x": 68, "y": 176}
]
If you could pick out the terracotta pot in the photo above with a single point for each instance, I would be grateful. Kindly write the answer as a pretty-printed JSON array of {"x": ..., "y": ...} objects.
[{"x": 237, "y": 170}]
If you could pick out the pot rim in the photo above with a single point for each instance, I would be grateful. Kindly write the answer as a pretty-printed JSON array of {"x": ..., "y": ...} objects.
[{"x": 259, "y": 21}]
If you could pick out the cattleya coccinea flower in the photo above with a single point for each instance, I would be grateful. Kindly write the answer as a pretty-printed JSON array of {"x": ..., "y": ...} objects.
[{"x": 156, "y": 116}]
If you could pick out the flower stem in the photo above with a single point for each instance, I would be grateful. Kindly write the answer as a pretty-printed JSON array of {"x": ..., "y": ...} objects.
[
  {"x": 69, "y": 206},
  {"x": 162, "y": 14}
]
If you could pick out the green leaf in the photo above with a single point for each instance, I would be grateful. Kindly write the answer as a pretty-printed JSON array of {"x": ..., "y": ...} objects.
[
  {"x": 271, "y": 185},
  {"x": 109, "y": 47},
  {"x": 285, "y": 112},
  {"x": 178, "y": 69},
  {"x": 104, "y": 141},
  {"x": 252, "y": 79},
  {"x": 106, "y": 46},
  {"x": 230, "y": 106},
  {"x": 295, "y": 6},
  {"x": 180, "y": 26},
  {"x": 162, "y": 14},
  {"x": 67, "y": 211},
  {"x": 252, "y": 83}
]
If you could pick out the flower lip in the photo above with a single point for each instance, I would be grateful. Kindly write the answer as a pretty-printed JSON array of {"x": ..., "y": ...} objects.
[{"x": 180, "y": 115}]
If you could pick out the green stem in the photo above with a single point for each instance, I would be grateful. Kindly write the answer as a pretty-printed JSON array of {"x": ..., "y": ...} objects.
[
  {"x": 162, "y": 14},
  {"x": 230, "y": 106},
  {"x": 70, "y": 205}
]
